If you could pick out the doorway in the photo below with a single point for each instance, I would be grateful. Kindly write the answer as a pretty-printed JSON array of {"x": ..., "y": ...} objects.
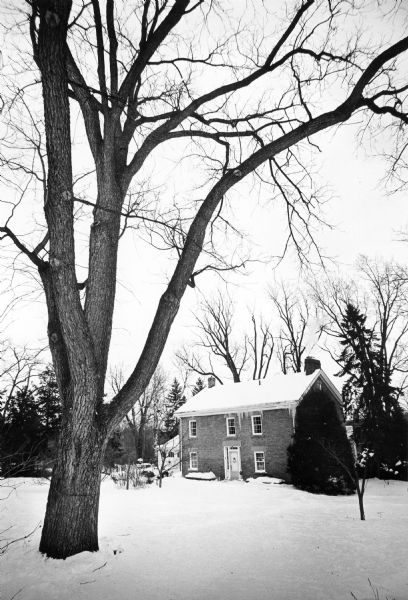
[{"x": 232, "y": 459}]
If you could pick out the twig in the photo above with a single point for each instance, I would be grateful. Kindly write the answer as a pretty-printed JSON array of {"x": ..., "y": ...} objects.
[
  {"x": 24, "y": 537},
  {"x": 101, "y": 567}
]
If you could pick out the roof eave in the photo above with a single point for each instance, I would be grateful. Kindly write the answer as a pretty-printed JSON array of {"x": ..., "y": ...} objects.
[{"x": 238, "y": 409}]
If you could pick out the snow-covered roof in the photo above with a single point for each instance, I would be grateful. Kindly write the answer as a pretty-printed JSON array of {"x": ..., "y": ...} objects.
[{"x": 279, "y": 391}]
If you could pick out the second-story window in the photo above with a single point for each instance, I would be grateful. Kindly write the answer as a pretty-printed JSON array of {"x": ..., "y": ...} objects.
[
  {"x": 257, "y": 425},
  {"x": 231, "y": 430},
  {"x": 192, "y": 428}
]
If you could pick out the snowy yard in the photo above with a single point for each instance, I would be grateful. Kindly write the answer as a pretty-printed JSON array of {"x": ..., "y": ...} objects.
[{"x": 216, "y": 540}]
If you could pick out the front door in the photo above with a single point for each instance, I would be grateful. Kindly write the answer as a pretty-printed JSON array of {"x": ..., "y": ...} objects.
[{"x": 232, "y": 463}]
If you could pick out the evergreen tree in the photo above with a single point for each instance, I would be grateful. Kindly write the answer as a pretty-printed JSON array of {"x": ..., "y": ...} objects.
[
  {"x": 22, "y": 436},
  {"x": 115, "y": 452},
  {"x": 174, "y": 399},
  {"x": 199, "y": 385},
  {"x": 29, "y": 429},
  {"x": 369, "y": 398},
  {"x": 24, "y": 422},
  {"x": 320, "y": 448},
  {"x": 48, "y": 402}
]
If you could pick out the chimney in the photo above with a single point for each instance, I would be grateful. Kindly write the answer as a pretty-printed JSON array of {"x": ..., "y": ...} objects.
[
  {"x": 311, "y": 365},
  {"x": 211, "y": 381}
]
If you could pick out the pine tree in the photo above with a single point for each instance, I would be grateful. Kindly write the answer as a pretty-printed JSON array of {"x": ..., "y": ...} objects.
[
  {"x": 356, "y": 358},
  {"x": 22, "y": 436},
  {"x": 320, "y": 450},
  {"x": 49, "y": 404},
  {"x": 28, "y": 432},
  {"x": 199, "y": 385},
  {"x": 115, "y": 451},
  {"x": 174, "y": 400},
  {"x": 370, "y": 399}
]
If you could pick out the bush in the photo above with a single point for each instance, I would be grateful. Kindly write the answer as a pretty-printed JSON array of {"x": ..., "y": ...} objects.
[{"x": 319, "y": 445}]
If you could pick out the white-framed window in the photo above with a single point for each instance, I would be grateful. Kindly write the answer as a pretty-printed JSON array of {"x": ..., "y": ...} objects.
[
  {"x": 193, "y": 461},
  {"x": 231, "y": 429},
  {"x": 192, "y": 428},
  {"x": 256, "y": 424},
  {"x": 259, "y": 458},
  {"x": 171, "y": 454}
]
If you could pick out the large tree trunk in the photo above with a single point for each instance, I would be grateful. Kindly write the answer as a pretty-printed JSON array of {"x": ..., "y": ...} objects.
[
  {"x": 71, "y": 520},
  {"x": 78, "y": 346}
]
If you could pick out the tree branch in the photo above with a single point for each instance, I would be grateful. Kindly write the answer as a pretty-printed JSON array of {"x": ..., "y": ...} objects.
[{"x": 32, "y": 254}]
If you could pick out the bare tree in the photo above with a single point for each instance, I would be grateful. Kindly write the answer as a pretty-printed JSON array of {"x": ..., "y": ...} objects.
[
  {"x": 146, "y": 408},
  {"x": 382, "y": 292},
  {"x": 262, "y": 345},
  {"x": 388, "y": 289},
  {"x": 18, "y": 366},
  {"x": 215, "y": 327},
  {"x": 219, "y": 340},
  {"x": 353, "y": 471},
  {"x": 165, "y": 458},
  {"x": 134, "y": 79},
  {"x": 168, "y": 453},
  {"x": 190, "y": 361},
  {"x": 293, "y": 313}
]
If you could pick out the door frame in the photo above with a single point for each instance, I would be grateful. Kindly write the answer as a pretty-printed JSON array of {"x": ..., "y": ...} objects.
[{"x": 227, "y": 470}]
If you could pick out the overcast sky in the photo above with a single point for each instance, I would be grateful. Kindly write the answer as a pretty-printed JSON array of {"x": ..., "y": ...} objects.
[{"x": 364, "y": 219}]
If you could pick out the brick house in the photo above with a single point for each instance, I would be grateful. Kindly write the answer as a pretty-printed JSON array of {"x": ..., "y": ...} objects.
[{"x": 242, "y": 430}]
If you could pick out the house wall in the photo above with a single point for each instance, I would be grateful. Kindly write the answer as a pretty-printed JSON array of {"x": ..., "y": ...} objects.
[{"x": 277, "y": 429}]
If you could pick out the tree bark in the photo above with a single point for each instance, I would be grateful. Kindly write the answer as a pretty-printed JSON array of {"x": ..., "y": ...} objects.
[
  {"x": 74, "y": 493},
  {"x": 70, "y": 524}
]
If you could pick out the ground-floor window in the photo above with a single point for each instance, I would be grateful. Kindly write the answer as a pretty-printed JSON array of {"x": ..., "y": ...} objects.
[
  {"x": 259, "y": 462},
  {"x": 193, "y": 461}
]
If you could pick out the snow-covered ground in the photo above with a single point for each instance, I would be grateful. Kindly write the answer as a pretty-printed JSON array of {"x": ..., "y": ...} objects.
[{"x": 216, "y": 540}]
